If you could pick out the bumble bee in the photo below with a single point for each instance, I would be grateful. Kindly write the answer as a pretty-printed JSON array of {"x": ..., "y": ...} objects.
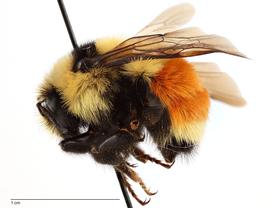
[{"x": 102, "y": 96}]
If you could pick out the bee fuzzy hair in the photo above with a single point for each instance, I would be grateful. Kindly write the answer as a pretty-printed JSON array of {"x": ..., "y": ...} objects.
[
  {"x": 86, "y": 95},
  {"x": 179, "y": 89}
]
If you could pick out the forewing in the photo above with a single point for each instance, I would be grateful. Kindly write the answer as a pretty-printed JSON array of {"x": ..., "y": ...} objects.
[
  {"x": 160, "y": 39},
  {"x": 169, "y": 20},
  {"x": 175, "y": 44},
  {"x": 219, "y": 84}
]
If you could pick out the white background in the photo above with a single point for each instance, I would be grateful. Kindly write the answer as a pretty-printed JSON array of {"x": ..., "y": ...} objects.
[{"x": 231, "y": 168}]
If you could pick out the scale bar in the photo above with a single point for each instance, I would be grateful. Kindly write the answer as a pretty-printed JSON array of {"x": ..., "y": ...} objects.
[{"x": 64, "y": 199}]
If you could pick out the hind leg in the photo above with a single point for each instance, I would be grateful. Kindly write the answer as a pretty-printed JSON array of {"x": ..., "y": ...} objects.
[
  {"x": 158, "y": 123},
  {"x": 167, "y": 144},
  {"x": 173, "y": 148}
]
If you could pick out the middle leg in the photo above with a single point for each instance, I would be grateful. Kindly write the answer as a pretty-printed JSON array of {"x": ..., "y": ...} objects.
[
  {"x": 140, "y": 155},
  {"x": 134, "y": 176}
]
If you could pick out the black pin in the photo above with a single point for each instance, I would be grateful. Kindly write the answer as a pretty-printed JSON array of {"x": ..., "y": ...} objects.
[
  {"x": 75, "y": 46},
  {"x": 67, "y": 23}
]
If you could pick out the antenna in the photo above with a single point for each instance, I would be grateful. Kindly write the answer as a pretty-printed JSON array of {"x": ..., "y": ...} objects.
[{"x": 75, "y": 46}]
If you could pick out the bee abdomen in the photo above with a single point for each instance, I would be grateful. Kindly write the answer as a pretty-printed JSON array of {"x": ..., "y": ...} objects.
[{"x": 187, "y": 102}]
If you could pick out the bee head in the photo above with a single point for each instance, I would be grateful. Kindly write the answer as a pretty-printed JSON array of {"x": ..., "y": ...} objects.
[{"x": 57, "y": 117}]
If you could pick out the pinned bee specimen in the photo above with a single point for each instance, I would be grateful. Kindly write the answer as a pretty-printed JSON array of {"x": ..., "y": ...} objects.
[{"x": 103, "y": 96}]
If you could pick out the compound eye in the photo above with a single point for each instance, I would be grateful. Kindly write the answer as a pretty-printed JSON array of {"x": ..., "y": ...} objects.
[
  {"x": 43, "y": 103},
  {"x": 45, "y": 111},
  {"x": 49, "y": 104},
  {"x": 43, "y": 107}
]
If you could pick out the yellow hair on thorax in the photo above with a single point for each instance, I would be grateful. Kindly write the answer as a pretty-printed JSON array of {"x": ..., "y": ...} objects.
[
  {"x": 147, "y": 68},
  {"x": 85, "y": 94},
  {"x": 104, "y": 45},
  {"x": 82, "y": 93}
]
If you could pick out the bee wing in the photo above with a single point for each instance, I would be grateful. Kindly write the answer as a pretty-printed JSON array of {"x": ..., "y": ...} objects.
[
  {"x": 169, "y": 20},
  {"x": 168, "y": 43},
  {"x": 189, "y": 32},
  {"x": 175, "y": 44},
  {"x": 219, "y": 84}
]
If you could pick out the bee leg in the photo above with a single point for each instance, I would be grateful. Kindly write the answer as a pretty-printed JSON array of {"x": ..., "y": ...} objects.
[
  {"x": 135, "y": 177},
  {"x": 131, "y": 191},
  {"x": 141, "y": 156},
  {"x": 79, "y": 144},
  {"x": 132, "y": 165},
  {"x": 170, "y": 150},
  {"x": 118, "y": 141}
]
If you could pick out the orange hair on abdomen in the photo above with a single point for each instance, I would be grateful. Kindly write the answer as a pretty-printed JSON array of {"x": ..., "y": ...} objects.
[{"x": 179, "y": 89}]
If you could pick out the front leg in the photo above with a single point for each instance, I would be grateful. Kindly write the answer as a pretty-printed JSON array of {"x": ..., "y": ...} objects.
[{"x": 78, "y": 144}]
